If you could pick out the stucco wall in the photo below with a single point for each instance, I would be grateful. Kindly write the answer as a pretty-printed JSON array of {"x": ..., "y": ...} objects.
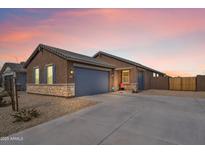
[
  {"x": 43, "y": 58},
  {"x": 117, "y": 73},
  {"x": 133, "y": 73},
  {"x": 113, "y": 61}
]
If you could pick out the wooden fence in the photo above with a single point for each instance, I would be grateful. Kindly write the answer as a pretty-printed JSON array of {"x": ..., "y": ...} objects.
[
  {"x": 189, "y": 83},
  {"x": 159, "y": 83},
  {"x": 182, "y": 83},
  {"x": 200, "y": 82},
  {"x": 175, "y": 83},
  {"x": 179, "y": 83}
]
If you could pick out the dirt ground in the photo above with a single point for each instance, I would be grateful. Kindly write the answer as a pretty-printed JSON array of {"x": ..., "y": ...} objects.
[
  {"x": 195, "y": 94},
  {"x": 50, "y": 107}
]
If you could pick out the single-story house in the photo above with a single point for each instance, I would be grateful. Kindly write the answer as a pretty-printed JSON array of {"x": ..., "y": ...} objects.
[
  {"x": 10, "y": 70},
  {"x": 54, "y": 71},
  {"x": 134, "y": 76},
  {"x": 57, "y": 72}
]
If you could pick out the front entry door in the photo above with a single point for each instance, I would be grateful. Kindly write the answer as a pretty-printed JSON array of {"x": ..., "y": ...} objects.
[{"x": 140, "y": 80}]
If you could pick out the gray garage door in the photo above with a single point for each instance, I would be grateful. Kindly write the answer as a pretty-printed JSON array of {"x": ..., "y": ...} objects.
[{"x": 90, "y": 81}]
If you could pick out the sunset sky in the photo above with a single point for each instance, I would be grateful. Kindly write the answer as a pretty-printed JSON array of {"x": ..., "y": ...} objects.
[{"x": 169, "y": 40}]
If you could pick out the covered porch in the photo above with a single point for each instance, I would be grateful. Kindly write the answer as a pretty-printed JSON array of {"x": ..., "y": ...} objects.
[{"x": 125, "y": 79}]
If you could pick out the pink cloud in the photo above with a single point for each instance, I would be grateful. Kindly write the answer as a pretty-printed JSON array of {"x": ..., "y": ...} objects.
[
  {"x": 123, "y": 30},
  {"x": 178, "y": 73},
  {"x": 18, "y": 36},
  {"x": 186, "y": 62},
  {"x": 175, "y": 25}
]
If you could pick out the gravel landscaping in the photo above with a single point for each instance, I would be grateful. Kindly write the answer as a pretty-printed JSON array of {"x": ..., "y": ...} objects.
[
  {"x": 194, "y": 94},
  {"x": 50, "y": 107}
]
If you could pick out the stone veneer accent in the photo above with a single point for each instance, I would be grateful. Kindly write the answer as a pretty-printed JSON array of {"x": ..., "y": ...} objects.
[
  {"x": 131, "y": 86},
  {"x": 65, "y": 90},
  {"x": 134, "y": 87}
]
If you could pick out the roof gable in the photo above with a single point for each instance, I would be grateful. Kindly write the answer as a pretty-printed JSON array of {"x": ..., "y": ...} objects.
[
  {"x": 125, "y": 60},
  {"x": 68, "y": 55},
  {"x": 7, "y": 69}
]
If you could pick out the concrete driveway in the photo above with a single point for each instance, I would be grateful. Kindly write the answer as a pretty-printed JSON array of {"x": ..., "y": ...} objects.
[{"x": 134, "y": 119}]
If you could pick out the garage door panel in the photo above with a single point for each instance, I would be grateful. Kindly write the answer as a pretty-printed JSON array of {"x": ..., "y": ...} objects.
[{"x": 90, "y": 81}]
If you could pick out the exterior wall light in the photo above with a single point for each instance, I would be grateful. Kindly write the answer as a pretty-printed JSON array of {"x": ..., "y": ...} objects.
[{"x": 71, "y": 72}]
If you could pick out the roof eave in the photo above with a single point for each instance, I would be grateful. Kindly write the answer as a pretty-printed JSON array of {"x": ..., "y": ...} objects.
[
  {"x": 79, "y": 60},
  {"x": 32, "y": 56},
  {"x": 144, "y": 67},
  {"x": 96, "y": 54},
  {"x": 62, "y": 56},
  {"x": 90, "y": 63}
]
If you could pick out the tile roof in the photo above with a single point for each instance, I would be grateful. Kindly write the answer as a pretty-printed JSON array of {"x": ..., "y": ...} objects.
[
  {"x": 68, "y": 55},
  {"x": 126, "y": 61}
]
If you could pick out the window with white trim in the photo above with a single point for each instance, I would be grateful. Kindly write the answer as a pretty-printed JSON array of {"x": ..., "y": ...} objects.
[
  {"x": 37, "y": 75},
  {"x": 50, "y": 74},
  {"x": 125, "y": 76}
]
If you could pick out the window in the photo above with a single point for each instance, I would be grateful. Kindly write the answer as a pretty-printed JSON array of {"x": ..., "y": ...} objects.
[
  {"x": 155, "y": 75},
  {"x": 125, "y": 76},
  {"x": 37, "y": 75},
  {"x": 50, "y": 74}
]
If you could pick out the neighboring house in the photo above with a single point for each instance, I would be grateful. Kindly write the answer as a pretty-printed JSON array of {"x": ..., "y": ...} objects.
[
  {"x": 10, "y": 70},
  {"x": 54, "y": 71},
  {"x": 134, "y": 76},
  {"x": 0, "y": 80}
]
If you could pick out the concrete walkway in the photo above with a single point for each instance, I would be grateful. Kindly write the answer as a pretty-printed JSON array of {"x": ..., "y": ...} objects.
[{"x": 133, "y": 119}]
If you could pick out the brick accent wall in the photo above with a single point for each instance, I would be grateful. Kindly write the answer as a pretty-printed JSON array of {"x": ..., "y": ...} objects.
[{"x": 65, "y": 90}]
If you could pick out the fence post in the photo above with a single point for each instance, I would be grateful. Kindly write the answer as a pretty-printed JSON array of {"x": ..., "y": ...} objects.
[
  {"x": 11, "y": 93},
  {"x": 168, "y": 83},
  {"x": 181, "y": 80},
  {"x": 15, "y": 93},
  {"x": 197, "y": 83}
]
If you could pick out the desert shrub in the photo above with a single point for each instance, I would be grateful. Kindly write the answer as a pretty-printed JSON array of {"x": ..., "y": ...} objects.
[
  {"x": 25, "y": 115},
  {"x": 4, "y": 94},
  {"x": 34, "y": 113},
  {"x": 2, "y": 101}
]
